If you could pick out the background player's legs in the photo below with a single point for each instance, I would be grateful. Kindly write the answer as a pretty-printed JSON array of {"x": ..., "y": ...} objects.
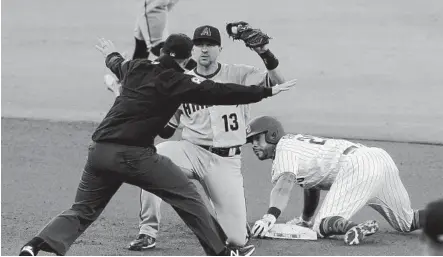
[
  {"x": 224, "y": 184},
  {"x": 392, "y": 200},
  {"x": 152, "y": 28},
  {"x": 140, "y": 50},
  {"x": 358, "y": 180}
]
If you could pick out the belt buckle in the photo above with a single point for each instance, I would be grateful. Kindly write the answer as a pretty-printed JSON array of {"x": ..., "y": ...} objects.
[{"x": 232, "y": 151}]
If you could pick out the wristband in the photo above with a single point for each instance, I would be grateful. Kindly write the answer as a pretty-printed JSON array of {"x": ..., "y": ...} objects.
[
  {"x": 271, "y": 62},
  {"x": 274, "y": 211}
]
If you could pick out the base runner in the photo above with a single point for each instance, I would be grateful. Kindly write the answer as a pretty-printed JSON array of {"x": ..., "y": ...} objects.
[{"x": 355, "y": 175}]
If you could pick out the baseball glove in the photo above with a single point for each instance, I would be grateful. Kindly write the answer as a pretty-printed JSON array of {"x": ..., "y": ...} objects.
[{"x": 243, "y": 31}]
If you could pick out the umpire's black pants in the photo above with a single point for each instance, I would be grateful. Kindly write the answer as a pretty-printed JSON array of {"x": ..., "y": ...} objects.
[{"x": 110, "y": 165}]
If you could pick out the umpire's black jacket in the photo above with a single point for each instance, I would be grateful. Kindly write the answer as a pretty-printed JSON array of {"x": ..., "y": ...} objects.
[{"x": 152, "y": 92}]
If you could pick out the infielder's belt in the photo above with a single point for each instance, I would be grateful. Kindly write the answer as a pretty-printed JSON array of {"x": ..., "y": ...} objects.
[
  {"x": 223, "y": 152},
  {"x": 350, "y": 149}
]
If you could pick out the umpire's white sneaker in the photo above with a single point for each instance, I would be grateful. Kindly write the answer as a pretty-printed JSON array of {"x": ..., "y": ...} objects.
[
  {"x": 27, "y": 250},
  {"x": 247, "y": 250},
  {"x": 356, "y": 234}
]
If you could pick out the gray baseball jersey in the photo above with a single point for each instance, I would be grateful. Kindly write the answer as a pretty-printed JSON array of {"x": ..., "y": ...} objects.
[{"x": 219, "y": 126}]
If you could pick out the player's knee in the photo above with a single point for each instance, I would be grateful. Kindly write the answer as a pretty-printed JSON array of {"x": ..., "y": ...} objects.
[
  {"x": 166, "y": 147},
  {"x": 403, "y": 227},
  {"x": 406, "y": 228}
]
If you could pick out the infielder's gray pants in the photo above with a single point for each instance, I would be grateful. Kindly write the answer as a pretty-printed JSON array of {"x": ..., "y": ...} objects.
[
  {"x": 220, "y": 177},
  {"x": 110, "y": 165}
]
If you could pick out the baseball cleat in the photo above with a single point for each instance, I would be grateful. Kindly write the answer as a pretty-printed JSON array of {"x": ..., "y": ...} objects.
[
  {"x": 300, "y": 222},
  {"x": 356, "y": 234},
  {"x": 27, "y": 250},
  {"x": 143, "y": 242},
  {"x": 247, "y": 250}
]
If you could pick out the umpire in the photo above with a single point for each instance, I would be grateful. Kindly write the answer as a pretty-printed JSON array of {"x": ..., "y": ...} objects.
[{"x": 123, "y": 148}]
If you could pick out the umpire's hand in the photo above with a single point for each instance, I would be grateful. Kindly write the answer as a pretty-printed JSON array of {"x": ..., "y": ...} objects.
[
  {"x": 283, "y": 87},
  {"x": 105, "y": 46}
]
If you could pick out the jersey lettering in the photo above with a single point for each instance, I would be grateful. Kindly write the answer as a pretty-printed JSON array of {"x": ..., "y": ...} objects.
[
  {"x": 311, "y": 139},
  {"x": 191, "y": 108}
]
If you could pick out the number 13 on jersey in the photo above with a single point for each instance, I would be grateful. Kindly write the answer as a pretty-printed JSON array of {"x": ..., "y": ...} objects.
[{"x": 231, "y": 122}]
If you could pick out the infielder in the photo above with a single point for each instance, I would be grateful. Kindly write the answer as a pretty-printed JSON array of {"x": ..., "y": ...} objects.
[
  {"x": 212, "y": 136},
  {"x": 355, "y": 175}
]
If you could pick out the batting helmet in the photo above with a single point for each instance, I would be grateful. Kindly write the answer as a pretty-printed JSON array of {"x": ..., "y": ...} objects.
[{"x": 265, "y": 124}]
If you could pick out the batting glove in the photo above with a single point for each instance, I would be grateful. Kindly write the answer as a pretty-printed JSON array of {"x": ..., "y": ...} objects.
[
  {"x": 299, "y": 221},
  {"x": 262, "y": 226}
]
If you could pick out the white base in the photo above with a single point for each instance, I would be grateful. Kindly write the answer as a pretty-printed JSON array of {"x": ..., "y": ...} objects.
[{"x": 288, "y": 231}]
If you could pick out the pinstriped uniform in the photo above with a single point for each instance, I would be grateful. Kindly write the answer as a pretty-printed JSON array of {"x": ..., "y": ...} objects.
[
  {"x": 365, "y": 176},
  {"x": 217, "y": 126}
]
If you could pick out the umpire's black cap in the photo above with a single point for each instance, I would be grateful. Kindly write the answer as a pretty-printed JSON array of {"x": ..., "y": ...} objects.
[
  {"x": 178, "y": 46},
  {"x": 208, "y": 33},
  {"x": 433, "y": 221}
]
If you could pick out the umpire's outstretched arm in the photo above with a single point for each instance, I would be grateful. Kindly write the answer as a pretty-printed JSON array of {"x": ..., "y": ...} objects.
[{"x": 190, "y": 89}]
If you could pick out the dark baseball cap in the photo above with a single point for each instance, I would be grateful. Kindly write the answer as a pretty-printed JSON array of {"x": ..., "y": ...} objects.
[
  {"x": 208, "y": 33},
  {"x": 433, "y": 227},
  {"x": 178, "y": 46}
]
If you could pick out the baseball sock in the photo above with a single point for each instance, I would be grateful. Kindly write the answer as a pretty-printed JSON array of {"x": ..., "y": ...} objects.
[
  {"x": 335, "y": 225},
  {"x": 417, "y": 221}
]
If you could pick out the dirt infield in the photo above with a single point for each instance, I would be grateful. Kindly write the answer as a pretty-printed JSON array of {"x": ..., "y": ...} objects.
[{"x": 42, "y": 163}]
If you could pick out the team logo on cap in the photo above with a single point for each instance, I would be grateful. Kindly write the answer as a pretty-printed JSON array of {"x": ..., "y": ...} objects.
[
  {"x": 248, "y": 129},
  {"x": 206, "y": 32}
]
